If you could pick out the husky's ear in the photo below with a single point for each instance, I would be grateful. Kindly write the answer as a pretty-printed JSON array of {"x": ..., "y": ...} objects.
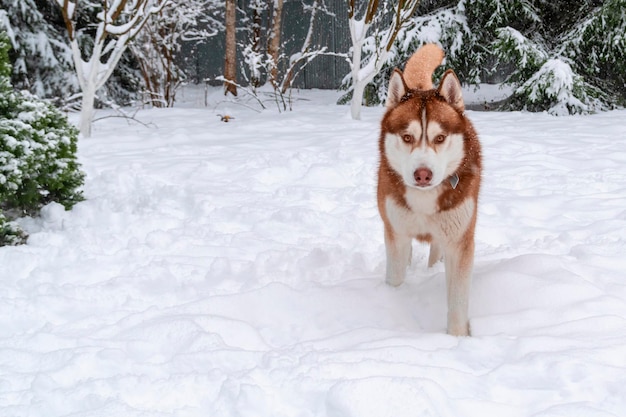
[
  {"x": 450, "y": 89},
  {"x": 396, "y": 90}
]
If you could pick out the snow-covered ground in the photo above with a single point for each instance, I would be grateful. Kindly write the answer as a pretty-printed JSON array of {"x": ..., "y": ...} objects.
[{"x": 236, "y": 270}]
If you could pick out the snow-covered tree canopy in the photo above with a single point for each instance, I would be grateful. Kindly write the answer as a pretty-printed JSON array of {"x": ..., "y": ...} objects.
[
  {"x": 374, "y": 28},
  {"x": 511, "y": 41},
  {"x": 41, "y": 55},
  {"x": 559, "y": 57},
  {"x": 97, "y": 50}
]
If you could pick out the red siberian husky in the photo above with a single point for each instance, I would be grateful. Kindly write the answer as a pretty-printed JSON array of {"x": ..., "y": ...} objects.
[{"x": 429, "y": 178}]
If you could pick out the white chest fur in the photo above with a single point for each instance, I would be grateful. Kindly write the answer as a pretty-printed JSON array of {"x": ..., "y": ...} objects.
[{"x": 424, "y": 216}]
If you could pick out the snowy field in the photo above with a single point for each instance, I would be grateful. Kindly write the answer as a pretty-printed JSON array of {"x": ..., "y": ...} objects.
[{"x": 236, "y": 270}]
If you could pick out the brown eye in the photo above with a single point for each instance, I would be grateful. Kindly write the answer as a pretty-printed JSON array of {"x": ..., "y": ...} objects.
[
  {"x": 407, "y": 138},
  {"x": 440, "y": 139}
]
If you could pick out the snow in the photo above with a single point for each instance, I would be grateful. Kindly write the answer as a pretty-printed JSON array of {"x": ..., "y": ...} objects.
[{"x": 236, "y": 269}]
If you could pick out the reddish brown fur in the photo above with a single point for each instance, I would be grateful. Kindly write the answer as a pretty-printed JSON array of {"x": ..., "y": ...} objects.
[
  {"x": 397, "y": 119},
  {"x": 453, "y": 221},
  {"x": 420, "y": 67}
]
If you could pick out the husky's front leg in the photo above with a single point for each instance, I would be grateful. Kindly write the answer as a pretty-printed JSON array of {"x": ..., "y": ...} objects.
[
  {"x": 435, "y": 254},
  {"x": 459, "y": 262},
  {"x": 398, "y": 250}
]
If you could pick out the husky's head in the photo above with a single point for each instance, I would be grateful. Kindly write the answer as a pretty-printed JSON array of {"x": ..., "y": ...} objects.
[{"x": 423, "y": 130}]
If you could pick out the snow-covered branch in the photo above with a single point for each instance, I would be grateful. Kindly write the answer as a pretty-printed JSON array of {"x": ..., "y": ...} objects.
[
  {"x": 119, "y": 22},
  {"x": 379, "y": 43},
  {"x": 157, "y": 47}
]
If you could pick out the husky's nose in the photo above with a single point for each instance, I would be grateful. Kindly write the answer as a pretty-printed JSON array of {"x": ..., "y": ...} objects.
[{"x": 423, "y": 176}]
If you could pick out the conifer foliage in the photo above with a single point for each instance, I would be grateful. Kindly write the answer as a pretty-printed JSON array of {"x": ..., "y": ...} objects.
[
  {"x": 37, "y": 155},
  {"x": 559, "y": 57}
]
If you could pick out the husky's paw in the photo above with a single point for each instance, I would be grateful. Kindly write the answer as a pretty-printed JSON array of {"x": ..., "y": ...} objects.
[
  {"x": 394, "y": 281},
  {"x": 433, "y": 261}
]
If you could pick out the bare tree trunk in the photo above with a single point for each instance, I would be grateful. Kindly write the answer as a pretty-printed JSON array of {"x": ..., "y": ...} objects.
[
  {"x": 257, "y": 21},
  {"x": 304, "y": 51},
  {"x": 273, "y": 48},
  {"x": 230, "y": 59}
]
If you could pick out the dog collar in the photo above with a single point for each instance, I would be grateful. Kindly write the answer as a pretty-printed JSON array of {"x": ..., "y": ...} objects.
[{"x": 454, "y": 180}]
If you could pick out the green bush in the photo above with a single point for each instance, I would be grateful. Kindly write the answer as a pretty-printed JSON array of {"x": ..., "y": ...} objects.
[
  {"x": 37, "y": 155},
  {"x": 556, "y": 89}
]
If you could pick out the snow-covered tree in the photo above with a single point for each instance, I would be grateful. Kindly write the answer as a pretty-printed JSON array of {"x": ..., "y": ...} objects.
[
  {"x": 119, "y": 21},
  {"x": 445, "y": 26},
  {"x": 157, "y": 47},
  {"x": 265, "y": 51},
  {"x": 308, "y": 51},
  {"x": 558, "y": 57},
  {"x": 580, "y": 70},
  {"x": 370, "y": 50},
  {"x": 254, "y": 55},
  {"x": 40, "y": 53},
  {"x": 597, "y": 46},
  {"x": 38, "y": 161}
]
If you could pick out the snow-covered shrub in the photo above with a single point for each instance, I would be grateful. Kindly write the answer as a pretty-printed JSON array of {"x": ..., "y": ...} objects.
[
  {"x": 522, "y": 43},
  {"x": 528, "y": 55},
  {"x": 42, "y": 59},
  {"x": 10, "y": 234},
  {"x": 543, "y": 83},
  {"x": 37, "y": 153},
  {"x": 598, "y": 47},
  {"x": 557, "y": 89},
  {"x": 477, "y": 59}
]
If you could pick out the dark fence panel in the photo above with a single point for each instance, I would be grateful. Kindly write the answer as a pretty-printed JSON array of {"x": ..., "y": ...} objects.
[{"x": 205, "y": 60}]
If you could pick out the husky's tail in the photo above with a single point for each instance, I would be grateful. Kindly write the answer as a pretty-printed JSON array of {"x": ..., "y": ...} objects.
[{"x": 418, "y": 72}]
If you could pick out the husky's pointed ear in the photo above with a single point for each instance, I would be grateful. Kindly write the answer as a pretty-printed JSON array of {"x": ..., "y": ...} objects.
[
  {"x": 450, "y": 89},
  {"x": 396, "y": 90}
]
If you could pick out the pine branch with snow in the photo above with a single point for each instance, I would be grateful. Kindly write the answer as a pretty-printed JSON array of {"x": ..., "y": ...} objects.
[
  {"x": 597, "y": 46},
  {"x": 42, "y": 57},
  {"x": 557, "y": 89}
]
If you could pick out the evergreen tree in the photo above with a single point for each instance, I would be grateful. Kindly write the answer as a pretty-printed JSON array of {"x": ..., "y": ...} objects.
[
  {"x": 557, "y": 58},
  {"x": 38, "y": 161},
  {"x": 597, "y": 47},
  {"x": 43, "y": 59}
]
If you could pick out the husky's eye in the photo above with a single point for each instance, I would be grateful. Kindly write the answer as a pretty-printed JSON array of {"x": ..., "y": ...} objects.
[
  {"x": 440, "y": 139},
  {"x": 407, "y": 138}
]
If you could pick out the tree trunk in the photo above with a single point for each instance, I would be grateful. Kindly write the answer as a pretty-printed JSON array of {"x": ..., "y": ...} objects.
[
  {"x": 257, "y": 21},
  {"x": 273, "y": 48},
  {"x": 358, "y": 30},
  {"x": 86, "y": 111},
  {"x": 230, "y": 59}
]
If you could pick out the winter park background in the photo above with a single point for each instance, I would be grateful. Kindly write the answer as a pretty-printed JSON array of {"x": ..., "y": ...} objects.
[{"x": 236, "y": 269}]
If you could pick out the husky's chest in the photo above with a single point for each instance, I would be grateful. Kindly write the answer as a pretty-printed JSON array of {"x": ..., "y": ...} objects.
[{"x": 422, "y": 215}]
